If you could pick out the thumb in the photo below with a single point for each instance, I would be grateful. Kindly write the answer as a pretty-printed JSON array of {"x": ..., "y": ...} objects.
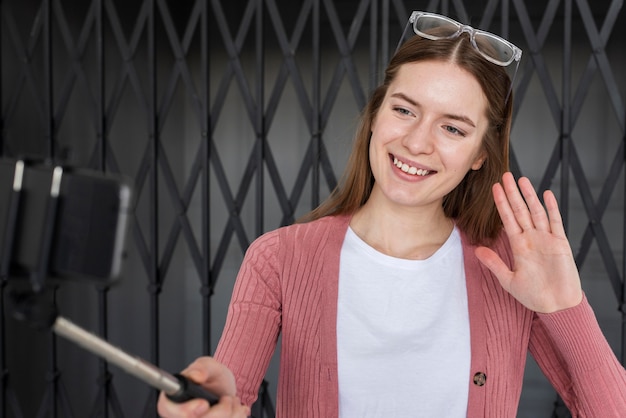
[
  {"x": 494, "y": 263},
  {"x": 197, "y": 375}
]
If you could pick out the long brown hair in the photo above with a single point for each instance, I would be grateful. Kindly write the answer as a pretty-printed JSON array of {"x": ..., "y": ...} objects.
[{"x": 471, "y": 203}]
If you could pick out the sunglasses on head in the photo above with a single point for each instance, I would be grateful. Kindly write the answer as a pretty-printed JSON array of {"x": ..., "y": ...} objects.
[{"x": 493, "y": 48}]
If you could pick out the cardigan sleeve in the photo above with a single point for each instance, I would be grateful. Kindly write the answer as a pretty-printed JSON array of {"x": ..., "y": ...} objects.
[
  {"x": 573, "y": 353},
  {"x": 253, "y": 321}
]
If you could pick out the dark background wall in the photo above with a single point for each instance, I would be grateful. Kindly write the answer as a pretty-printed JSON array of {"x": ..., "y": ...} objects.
[{"x": 231, "y": 118}]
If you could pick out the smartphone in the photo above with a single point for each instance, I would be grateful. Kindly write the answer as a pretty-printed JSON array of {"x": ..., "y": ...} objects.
[{"x": 76, "y": 219}]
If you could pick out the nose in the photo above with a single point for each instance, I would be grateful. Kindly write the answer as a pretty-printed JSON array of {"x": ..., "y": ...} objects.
[{"x": 419, "y": 139}]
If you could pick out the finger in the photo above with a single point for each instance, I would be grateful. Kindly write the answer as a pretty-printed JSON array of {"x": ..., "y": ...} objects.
[
  {"x": 517, "y": 202},
  {"x": 229, "y": 406},
  {"x": 211, "y": 374},
  {"x": 191, "y": 408},
  {"x": 537, "y": 211},
  {"x": 554, "y": 214},
  {"x": 504, "y": 209}
]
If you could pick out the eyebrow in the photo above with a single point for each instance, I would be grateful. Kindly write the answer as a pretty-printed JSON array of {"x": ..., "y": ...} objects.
[{"x": 460, "y": 118}]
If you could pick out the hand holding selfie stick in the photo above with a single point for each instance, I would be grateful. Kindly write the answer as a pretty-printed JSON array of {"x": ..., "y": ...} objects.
[{"x": 32, "y": 307}]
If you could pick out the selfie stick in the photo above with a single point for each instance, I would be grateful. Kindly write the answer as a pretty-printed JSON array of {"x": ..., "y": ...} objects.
[
  {"x": 29, "y": 306},
  {"x": 177, "y": 387}
]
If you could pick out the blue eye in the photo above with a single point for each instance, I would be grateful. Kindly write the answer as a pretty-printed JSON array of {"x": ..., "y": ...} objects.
[
  {"x": 453, "y": 130},
  {"x": 402, "y": 110}
]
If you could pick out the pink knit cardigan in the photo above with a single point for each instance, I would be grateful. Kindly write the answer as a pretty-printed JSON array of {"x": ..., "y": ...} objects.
[{"x": 288, "y": 285}]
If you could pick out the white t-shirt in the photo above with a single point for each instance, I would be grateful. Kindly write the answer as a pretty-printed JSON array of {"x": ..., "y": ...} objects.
[{"x": 403, "y": 339}]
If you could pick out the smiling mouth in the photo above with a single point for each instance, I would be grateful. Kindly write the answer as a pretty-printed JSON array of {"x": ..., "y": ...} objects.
[{"x": 410, "y": 169}]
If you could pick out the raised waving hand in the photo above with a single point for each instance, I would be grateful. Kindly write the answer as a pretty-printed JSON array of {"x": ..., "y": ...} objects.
[{"x": 544, "y": 277}]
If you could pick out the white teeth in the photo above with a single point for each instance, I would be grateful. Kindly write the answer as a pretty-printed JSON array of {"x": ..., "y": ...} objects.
[{"x": 409, "y": 169}]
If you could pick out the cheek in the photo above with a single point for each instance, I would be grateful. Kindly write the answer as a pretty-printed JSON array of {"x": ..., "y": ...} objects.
[
  {"x": 375, "y": 144},
  {"x": 374, "y": 151},
  {"x": 378, "y": 157}
]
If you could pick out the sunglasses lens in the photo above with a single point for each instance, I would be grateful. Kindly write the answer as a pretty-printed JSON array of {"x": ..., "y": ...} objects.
[
  {"x": 494, "y": 48},
  {"x": 435, "y": 27}
]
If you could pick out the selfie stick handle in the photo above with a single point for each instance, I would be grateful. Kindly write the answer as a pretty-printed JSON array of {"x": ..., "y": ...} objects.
[{"x": 177, "y": 388}]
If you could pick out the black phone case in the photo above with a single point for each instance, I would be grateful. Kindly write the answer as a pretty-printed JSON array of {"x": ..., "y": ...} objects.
[{"x": 89, "y": 223}]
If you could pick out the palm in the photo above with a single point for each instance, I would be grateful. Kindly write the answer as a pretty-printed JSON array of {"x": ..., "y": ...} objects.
[{"x": 544, "y": 276}]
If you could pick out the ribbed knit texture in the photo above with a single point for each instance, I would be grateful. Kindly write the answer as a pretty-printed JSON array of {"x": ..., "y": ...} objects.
[{"x": 288, "y": 284}]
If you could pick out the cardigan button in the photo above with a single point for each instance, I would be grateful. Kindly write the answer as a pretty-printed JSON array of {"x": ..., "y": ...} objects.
[{"x": 480, "y": 378}]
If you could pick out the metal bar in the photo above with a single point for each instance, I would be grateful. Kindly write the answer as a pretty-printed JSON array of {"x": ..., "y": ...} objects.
[
  {"x": 565, "y": 136},
  {"x": 298, "y": 186},
  {"x": 47, "y": 68},
  {"x": 234, "y": 206},
  {"x": 181, "y": 69},
  {"x": 490, "y": 10},
  {"x": 206, "y": 274},
  {"x": 233, "y": 49},
  {"x": 105, "y": 375},
  {"x": 595, "y": 220},
  {"x": 155, "y": 274},
  {"x": 289, "y": 67},
  {"x": 384, "y": 39},
  {"x": 600, "y": 56},
  {"x": 259, "y": 120},
  {"x": 4, "y": 371},
  {"x": 128, "y": 72},
  {"x": 24, "y": 54},
  {"x": 316, "y": 128},
  {"x": 602, "y": 203},
  {"x": 583, "y": 87},
  {"x": 5, "y": 261},
  {"x": 53, "y": 373},
  {"x": 140, "y": 179},
  {"x": 374, "y": 34},
  {"x": 76, "y": 51},
  {"x": 346, "y": 65},
  {"x": 461, "y": 12},
  {"x": 327, "y": 168},
  {"x": 623, "y": 301},
  {"x": 598, "y": 60},
  {"x": 182, "y": 220},
  {"x": 101, "y": 134},
  {"x": 536, "y": 42},
  {"x": 2, "y": 153}
]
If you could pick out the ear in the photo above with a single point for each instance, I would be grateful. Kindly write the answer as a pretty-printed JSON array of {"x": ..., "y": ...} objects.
[{"x": 479, "y": 161}]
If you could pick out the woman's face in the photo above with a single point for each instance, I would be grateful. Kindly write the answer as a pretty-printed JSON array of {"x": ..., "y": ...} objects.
[{"x": 427, "y": 134}]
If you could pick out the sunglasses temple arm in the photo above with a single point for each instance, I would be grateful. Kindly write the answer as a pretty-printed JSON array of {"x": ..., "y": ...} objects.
[
  {"x": 406, "y": 29},
  {"x": 512, "y": 82}
]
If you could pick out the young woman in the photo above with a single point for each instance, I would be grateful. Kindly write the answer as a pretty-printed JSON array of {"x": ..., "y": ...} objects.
[{"x": 419, "y": 286}]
